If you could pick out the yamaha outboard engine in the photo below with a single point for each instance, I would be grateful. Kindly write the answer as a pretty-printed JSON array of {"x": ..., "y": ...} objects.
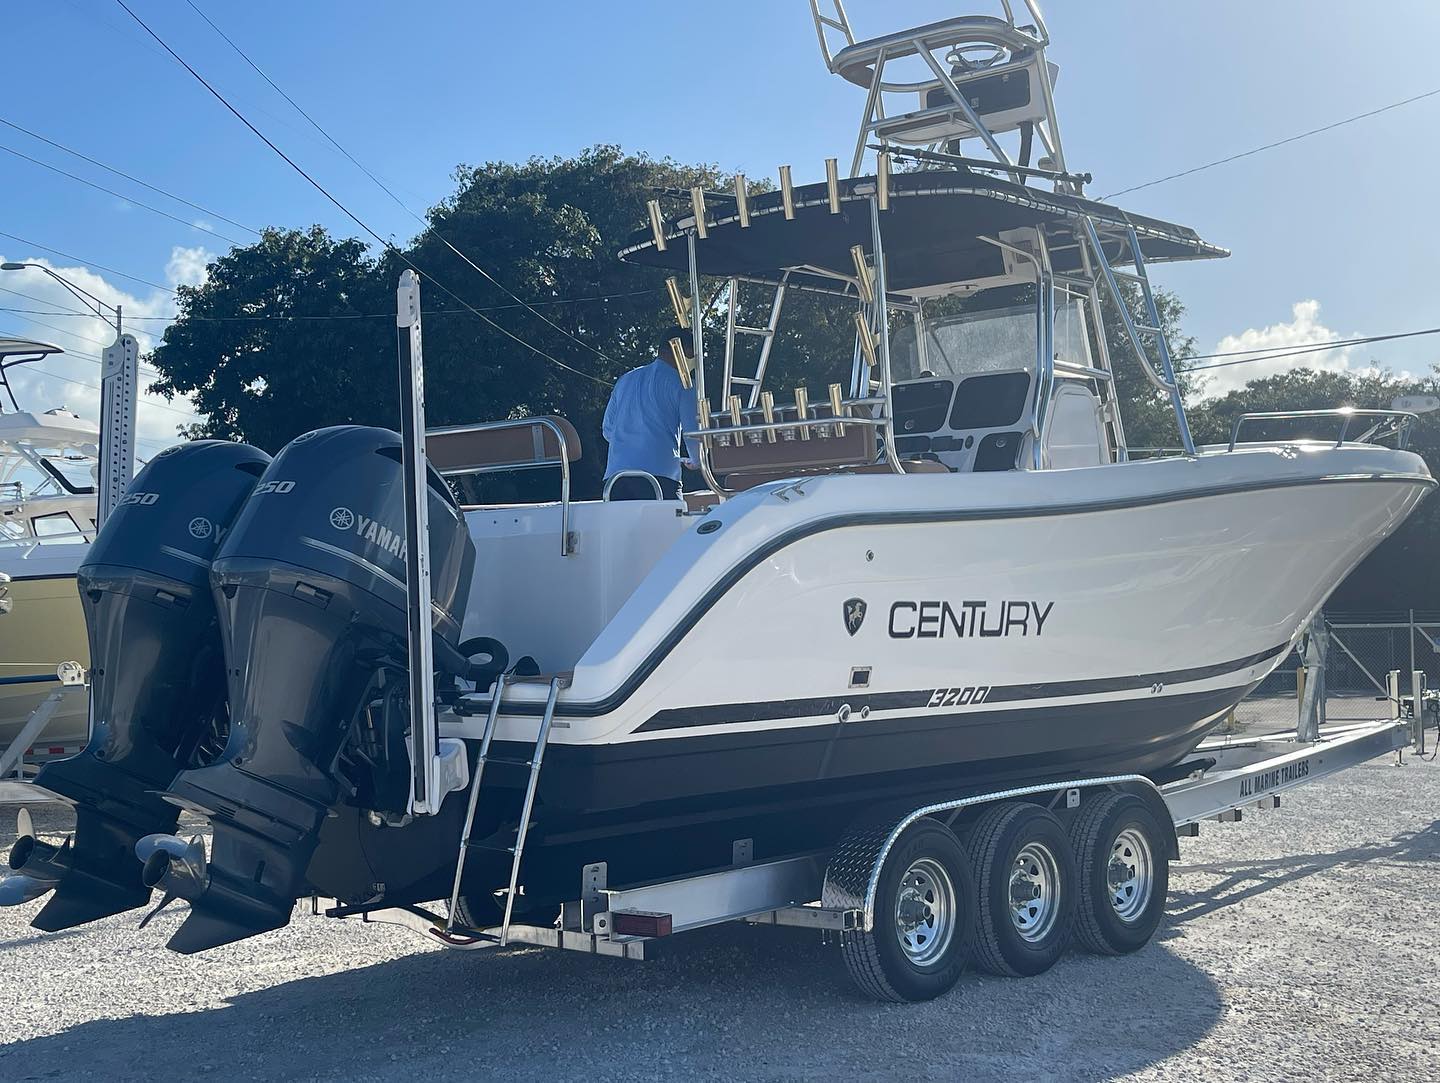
[
  {"x": 157, "y": 675},
  {"x": 310, "y": 584}
]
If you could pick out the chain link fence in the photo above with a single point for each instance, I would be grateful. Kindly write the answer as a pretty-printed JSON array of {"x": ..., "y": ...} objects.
[{"x": 1362, "y": 651}]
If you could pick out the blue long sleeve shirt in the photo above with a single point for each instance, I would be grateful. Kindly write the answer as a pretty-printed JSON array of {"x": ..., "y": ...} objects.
[{"x": 648, "y": 411}]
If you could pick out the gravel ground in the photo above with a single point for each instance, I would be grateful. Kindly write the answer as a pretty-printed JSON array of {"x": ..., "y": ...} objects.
[{"x": 1300, "y": 943}]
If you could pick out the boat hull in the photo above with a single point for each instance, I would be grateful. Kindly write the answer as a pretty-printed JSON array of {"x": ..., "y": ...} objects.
[
  {"x": 840, "y": 646},
  {"x": 45, "y": 627}
]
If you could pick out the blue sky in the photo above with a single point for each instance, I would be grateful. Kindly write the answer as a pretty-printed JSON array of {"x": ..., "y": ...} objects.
[{"x": 1329, "y": 237}]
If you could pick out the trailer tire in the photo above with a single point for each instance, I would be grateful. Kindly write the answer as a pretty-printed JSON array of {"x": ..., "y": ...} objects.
[
  {"x": 924, "y": 919},
  {"x": 1119, "y": 909},
  {"x": 479, "y": 912},
  {"x": 1018, "y": 847}
]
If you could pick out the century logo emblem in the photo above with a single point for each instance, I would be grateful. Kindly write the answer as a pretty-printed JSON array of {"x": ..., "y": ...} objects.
[
  {"x": 342, "y": 518},
  {"x": 854, "y": 614}
]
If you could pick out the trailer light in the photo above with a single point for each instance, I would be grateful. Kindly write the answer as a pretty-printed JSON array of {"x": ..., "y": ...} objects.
[
  {"x": 657, "y": 224},
  {"x": 787, "y": 193},
  {"x": 832, "y": 184},
  {"x": 640, "y": 923},
  {"x": 742, "y": 201}
]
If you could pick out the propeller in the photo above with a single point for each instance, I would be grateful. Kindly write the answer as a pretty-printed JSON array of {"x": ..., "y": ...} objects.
[
  {"x": 178, "y": 868},
  {"x": 46, "y": 864}
]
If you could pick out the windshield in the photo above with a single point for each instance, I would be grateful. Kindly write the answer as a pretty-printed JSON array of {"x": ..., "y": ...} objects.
[{"x": 996, "y": 340}]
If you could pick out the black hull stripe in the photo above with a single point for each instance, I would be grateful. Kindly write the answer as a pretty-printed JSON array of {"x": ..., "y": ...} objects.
[
  {"x": 721, "y": 714},
  {"x": 591, "y": 708}
]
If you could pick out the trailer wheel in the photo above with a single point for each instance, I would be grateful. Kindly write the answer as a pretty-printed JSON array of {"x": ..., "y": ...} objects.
[
  {"x": 924, "y": 916},
  {"x": 1025, "y": 879},
  {"x": 1124, "y": 874},
  {"x": 479, "y": 911}
]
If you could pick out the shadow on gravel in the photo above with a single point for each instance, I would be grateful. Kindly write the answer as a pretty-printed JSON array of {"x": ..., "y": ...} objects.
[
  {"x": 729, "y": 1003},
  {"x": 1246, "y": 879}
]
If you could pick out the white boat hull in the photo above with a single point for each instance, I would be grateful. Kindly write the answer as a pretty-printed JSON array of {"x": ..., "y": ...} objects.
[{"x": 1013, "y": 624}]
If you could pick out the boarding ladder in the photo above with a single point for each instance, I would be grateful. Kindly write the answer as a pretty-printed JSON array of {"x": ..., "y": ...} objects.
[
  {"x": 533, "y": 763},
  {"x": 1142, "y": 327},
  {"x": 766, "y": 334}
]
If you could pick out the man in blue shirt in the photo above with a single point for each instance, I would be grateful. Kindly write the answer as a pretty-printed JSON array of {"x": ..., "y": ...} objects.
[{"x": 648, "y": 411}]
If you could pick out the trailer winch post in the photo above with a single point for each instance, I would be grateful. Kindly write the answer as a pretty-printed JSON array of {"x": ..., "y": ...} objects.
[{"x": 425, "y": 792}]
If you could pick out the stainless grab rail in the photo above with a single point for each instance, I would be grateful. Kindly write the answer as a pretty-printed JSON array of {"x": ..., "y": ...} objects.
[
  {"x": 1389, "y": 423},
  {"x": 613, "y": 478},
  {"x": 566, "y": 542}
]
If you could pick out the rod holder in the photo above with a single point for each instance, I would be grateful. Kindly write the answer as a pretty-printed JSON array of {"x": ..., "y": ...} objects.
[
  {"x": 742, "y": 201},
  {"x": 767, "y": 408},
  {"x": 702, "y": 411},
  {"x": 832, "y": 184},
  {"x": 882, "y": 180},
  {"x": 697, "y": 205},
  {"x": 866, "y": 337},
  {"x": 737, "y": 419},
  {"x": 682, "y": 363},
  {"x": 837, "y": 409},
  {"x": 864, "y": 280},
  {"x": 657, "y": 224},
  {"x": 678, "y": 301},
  {"x": 802, "y": 411},
  {"x": 787, "y": 193}
]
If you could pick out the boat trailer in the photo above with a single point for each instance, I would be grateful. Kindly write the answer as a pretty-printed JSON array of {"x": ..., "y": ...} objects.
[{"x": 835, "y": 891}]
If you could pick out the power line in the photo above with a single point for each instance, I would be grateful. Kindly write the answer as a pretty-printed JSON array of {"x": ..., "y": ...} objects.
[
  {"x": 1272, "y": 146},
  {"x": 1318, "y": 344},
  {"x": 35, "y": 367},
  {"x": 87, "y": 263},
  {"x": 358, "y": 315},
  {"x": 1276, "y": 352},
  {"x": 118, "y": 195},
  {"x": 346, "y": 210},
  {"x": 396, "y": 199},
  {"x": 127, "y": 176},
  {"x": 73, "y": 313}
]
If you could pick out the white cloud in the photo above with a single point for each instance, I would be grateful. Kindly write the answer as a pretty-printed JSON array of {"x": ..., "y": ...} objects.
[
  {"x": 186, "y": 266},
  {"x": 1304, "y": 329},
  {"x": 73, "y": 379}
]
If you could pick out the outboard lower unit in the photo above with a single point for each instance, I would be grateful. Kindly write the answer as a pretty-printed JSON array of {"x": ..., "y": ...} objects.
[
  {"x": 157, "y": 676},
  {"x": 310, "y": 585}
]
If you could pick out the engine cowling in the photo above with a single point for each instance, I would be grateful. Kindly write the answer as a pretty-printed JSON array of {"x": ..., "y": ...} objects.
[
  {"x": 310, "y": 585},
  {"x": 157, "y": 674}
]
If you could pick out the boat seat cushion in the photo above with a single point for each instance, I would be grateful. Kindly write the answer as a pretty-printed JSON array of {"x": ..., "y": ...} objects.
[{"x": 462, "y": 450}]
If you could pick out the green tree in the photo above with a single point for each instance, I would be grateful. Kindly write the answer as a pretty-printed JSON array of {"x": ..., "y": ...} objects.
[
  {"x": 1147, "y": 412},
  {"x": 285, "y": 335}
]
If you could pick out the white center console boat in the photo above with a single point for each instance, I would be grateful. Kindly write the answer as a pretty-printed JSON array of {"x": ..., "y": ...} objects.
[{"x": 939, "y": 576}]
